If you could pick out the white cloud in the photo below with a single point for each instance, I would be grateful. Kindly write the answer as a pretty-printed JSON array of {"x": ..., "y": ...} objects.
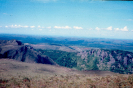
[
  {"x": 132, "y": 30},
  {"x": 40, "y": 29},
  {"x": 97, "y": 28},
  {"x": 124, "y": 29},
  {"x": 58, "y": 27},
  {"x": 6, "y": 26},
  {"x": 129, "y": 19},
  {"x": 116, "y": 29},
  {"x": 109, "y": 28},
  {"x": 65, "y": 27},
  {"x": 25, "y": 26},
  {"x": 90, "y": 29},
  {"x": 32, "y": 26},
  {"x": 49, "y": 27},
  {"x": 15, "y": 26},
  {"x": 11, "y": 26},
  {"x": 0, "y": 26},
  {"x": 76, "y": 27},
  {"x": 39, "y": 26}
]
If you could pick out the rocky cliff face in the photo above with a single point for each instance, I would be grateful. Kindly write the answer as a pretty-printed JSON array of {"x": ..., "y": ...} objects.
[
  {"x": 102, "y": 59},
  {"x": 14, "y": 49}
]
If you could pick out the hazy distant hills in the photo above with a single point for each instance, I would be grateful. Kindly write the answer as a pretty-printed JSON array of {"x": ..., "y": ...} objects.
[{"x": 14, "y": 49}]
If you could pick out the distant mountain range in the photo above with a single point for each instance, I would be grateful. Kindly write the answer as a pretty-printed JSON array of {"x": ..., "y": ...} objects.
[{"x": 69, "y": 41}]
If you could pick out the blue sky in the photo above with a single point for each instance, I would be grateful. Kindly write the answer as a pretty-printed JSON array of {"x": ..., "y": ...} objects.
[{"x": 76, "y": 18}]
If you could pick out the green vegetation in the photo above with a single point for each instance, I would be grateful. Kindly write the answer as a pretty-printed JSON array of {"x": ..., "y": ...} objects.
[
  {"x": 92, "y": 64},
  {"x": 62, "y": 58},
  {"x": 119, "y": 66},
  {"x": 71, "y": 60},
  {"x": 93, "y": 61}
]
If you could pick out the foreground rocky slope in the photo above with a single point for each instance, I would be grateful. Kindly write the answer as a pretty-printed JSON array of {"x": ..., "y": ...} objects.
[{"x": 14, "y": 49}]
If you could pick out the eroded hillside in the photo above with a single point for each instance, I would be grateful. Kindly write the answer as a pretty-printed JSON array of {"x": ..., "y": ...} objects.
[
  {"x": 93, "y": 59},
  {"x": 14, "y": 49}
]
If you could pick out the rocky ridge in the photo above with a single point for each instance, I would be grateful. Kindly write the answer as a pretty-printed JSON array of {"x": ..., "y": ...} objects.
[
  {"x": 103, "y": 59},
  {"x": 14, "y": 49}
]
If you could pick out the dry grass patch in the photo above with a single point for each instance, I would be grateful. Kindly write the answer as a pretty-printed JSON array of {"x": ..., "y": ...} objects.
[
  {"x": 25, "y": 75},
  {"x": 73, "y": 81}
]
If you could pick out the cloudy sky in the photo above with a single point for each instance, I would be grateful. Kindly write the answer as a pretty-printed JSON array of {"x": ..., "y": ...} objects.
[{"x": 76, "y": 18}]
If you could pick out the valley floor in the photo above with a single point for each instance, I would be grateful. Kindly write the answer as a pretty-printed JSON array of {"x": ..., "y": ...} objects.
[{"x": 14, "y": 74}]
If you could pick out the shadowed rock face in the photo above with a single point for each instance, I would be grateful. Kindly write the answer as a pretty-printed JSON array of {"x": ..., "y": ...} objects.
[
  {"x": 14, "y": 49},
  {"x": 11, "y": 42}
]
